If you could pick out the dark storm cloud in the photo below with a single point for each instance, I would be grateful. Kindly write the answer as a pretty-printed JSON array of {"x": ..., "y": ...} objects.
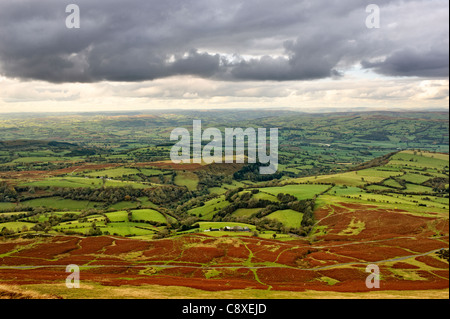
[
  {"x": 259, "y": 40},
  {"x": 410, "y": 62}
]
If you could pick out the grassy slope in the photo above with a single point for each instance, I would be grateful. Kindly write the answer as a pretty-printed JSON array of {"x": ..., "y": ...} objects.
[
  {"x": 289, "y": 217},
  {"x": 208, "y": 210},
  {"x": 299, "y": 191},
  {"x": 81, "y": 182},
  {"x": 188, "y": 179}
]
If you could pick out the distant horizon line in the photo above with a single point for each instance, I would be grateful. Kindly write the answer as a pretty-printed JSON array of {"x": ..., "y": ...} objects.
[{"x": 287, "y": 109}]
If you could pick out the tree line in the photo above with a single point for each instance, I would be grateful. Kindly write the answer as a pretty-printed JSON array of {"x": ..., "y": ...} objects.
[{"x": 111, "y": 195}]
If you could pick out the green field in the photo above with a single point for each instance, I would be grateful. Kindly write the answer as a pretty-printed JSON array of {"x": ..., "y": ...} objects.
[
  {"x": 148, "y": 215},
  {"x": 128, "y": 229},
  {"x": 246, "y": 212},
  {"x": 7, "y": 206},
  {"x": 188, "y": 179},
  {"x": 82, "y": 182},
  {"x": 392, "y": 183},
  {"x": 124, "y": 229},
  {"x": 379, "y": 188},
  {"x": 419, "y": 160},
  {"x": 125, "y": 205},
  {"x": 289, "y": 218},
  {"x": 118, "y": 224},
  {"x": 412, "y": 188},
  {"x": 346, "y": 190},
  {"x": 226, "y": 187},
  {"x": 349, "y": 178},
  {"x": 46, "y": 216},
  {"x": 60, "y": 203},
  {"x": 10, "y": 214},
  {"x": 299, "y": 191},
  {"x": 16, "y": 226},
  {"x": 152, "y": 172},
  {"x": 209, "y": 208},
  {"x": 263, "y": 195},
  {"x": 121, "y": 216},
  {"x": 415, "y": 178},
  {"x": 35, "y": 159},
  {"x": 113, "y": 173}
]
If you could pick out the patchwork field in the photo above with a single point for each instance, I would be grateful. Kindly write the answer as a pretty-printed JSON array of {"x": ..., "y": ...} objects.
[{"x": 140, "y": 226}]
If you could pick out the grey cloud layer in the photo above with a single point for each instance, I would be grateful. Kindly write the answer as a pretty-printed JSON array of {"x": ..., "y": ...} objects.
[{"x": 255, "y": 40}]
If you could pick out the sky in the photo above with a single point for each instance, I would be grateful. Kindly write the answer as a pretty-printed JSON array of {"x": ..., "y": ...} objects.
[{"x": 307, "y": 55}]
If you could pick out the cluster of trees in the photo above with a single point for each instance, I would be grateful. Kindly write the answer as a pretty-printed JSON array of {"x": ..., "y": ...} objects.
[
  {"x": 439, "y": 184},
  {"x": 379, "y": 161},
  {"x": 7, "y": 193},
  {"x": 14, "y": 217},
  {"x": 110, "y": 195},
  {"x": 164, "y": 178},
  {"x": 286, "y": 198},
  {"x": 167, "y": 194},
  {"x": 243, "y": 200},
  {"x": 207, "y": 180},
  {"x": 379, "y": 136},
  {"x": 150, "y": 155},
  {"x": 188, "y": 223},
  {"x": 94, "y": 230},
  {"x": 159, "y": 195},
  {"x": 251, "y": 172},
  {"x": 54, "y": 220},
  {"x": 39, "y": 166},
  {"x": 6, "y": 232}
]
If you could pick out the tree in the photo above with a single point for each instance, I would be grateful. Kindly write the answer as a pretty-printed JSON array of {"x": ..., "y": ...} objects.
[
  {"x": 5, "y": 232},
  {"x": 94, "y": 230},
  {"x": 162, "y": 234}
]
